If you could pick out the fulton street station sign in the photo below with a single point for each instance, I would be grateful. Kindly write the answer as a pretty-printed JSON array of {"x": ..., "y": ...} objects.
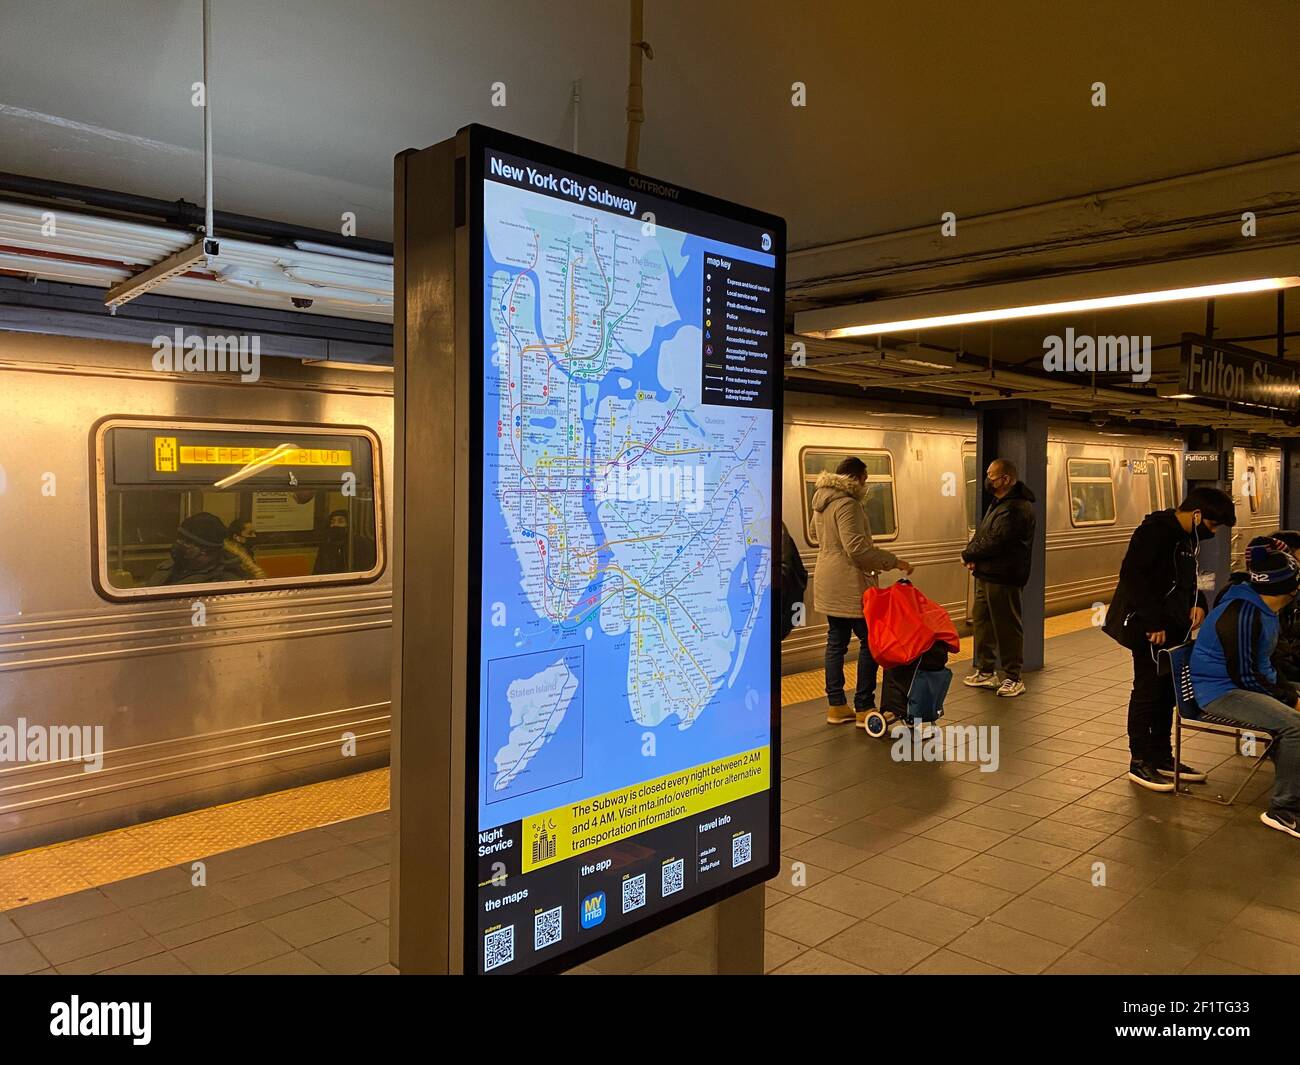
[{"x": 1214, "y": 370}]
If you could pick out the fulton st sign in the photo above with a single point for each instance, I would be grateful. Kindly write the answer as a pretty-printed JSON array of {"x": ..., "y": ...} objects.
[{"x": 1214, "y": 370}]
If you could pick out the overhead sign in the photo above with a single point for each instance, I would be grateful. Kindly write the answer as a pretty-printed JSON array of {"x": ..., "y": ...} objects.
[
  {"x": 1214, "y": 370},
  {"x": 622, "y": 738}
]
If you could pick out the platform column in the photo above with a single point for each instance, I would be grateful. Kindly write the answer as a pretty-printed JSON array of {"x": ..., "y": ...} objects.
[
  {"x": 1289, "y": 516},
  {"x": 1017, "y": 430}
]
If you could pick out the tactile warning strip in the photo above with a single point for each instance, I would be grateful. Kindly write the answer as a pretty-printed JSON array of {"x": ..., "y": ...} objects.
[{"x": 62, "y": 868}]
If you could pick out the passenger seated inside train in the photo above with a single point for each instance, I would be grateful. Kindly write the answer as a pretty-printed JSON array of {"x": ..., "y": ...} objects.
[
  {"x": 333, "y": 554},
  {"x": 1233, "y": 677},
  {"x": 241, "y": 541},
  {"x": 199, "y": 555}
]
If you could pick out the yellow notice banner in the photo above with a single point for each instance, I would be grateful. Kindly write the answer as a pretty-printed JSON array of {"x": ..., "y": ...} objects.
[
  {"x": 570, "y": 830},
  {"x": 242, "y": 456}
]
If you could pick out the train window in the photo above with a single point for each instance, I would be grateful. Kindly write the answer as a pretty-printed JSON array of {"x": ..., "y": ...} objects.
[
  {"x": 1092, "y": 492},
  {"x": 233, "y": 507},
  {"x": 971, "y": 476},
  {"x": 1153, "y": 488},
  {"x": 879, "y": 501}
]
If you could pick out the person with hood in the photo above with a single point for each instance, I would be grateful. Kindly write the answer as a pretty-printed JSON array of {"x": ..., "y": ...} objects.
[
  {"x": 1157, "y": 604},
  {"x": 1233, "y": 677},
  {"x": 332, "y": 557},
  {"x": 199, "y": 555},
  {"x": 241, "y": 541},
  {"x": 847, "y": 564},
  {"x": 999, "y": 555}
]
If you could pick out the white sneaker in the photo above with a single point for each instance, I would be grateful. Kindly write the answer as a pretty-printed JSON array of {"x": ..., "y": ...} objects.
[
  {"x": 1011, "y": 688},
  {"x": 981, "y": 680}
]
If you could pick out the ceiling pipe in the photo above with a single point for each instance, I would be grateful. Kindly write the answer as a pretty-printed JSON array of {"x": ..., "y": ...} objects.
[
  {"x": 639, "y": 50},
  {"x": 207, "y": 120}
]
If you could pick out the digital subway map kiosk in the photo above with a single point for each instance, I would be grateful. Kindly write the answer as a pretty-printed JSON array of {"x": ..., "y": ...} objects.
[{"x": 604, "y": 688}]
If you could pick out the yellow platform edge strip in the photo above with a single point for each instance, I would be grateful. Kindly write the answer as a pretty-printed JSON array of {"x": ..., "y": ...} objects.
[{"x": 59, "y": 869}]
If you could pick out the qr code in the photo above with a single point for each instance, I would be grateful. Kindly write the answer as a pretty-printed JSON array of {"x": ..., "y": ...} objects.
[
  {"x": 499, "y": 947},
  {"x": 674, "y": 877},
  {"x": 634, "y": 893},
  {"x": 742, "y": 848},
  {"x": 546, "y": 928}
]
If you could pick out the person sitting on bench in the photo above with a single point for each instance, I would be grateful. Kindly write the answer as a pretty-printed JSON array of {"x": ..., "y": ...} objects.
[{"x": 1234, "y": 680}]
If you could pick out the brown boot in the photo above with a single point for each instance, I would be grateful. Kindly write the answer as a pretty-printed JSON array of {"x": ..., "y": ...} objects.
[{"x": 840, "y": 715}]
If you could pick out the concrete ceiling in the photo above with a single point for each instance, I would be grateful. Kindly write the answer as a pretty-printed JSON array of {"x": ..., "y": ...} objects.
[{"x": 912, "y": 109}]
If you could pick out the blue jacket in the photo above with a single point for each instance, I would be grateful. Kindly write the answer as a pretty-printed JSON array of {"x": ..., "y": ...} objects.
[{"x": 1234, "y": 647}]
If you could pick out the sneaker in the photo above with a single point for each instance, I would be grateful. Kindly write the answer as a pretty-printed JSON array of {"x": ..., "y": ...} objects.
[
  {"x": 1282, "y": 820},
  {"x": 1165, "y": 767},
  {"x": 1011, "y": 688},
  {"x": 840, "y": 715},
  {"x": 1148, "y": 776},
  {"x": 981, "y": 680}
]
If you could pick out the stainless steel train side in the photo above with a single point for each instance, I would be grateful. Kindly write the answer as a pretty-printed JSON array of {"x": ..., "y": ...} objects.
[
  {"x": 261, "y": 696},
  {"x": 1100, "y": 486}
]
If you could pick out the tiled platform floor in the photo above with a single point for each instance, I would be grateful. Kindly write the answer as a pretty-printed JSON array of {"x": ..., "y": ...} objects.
[
  {"x": 904, "y": 867},
  {"x": 310, "y": 902},
  {"x": 941, "y": 868}
]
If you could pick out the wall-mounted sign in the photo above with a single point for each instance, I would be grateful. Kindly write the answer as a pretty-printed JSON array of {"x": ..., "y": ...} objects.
[
  {"x": 1201, "y": 465},
  {"x": 1211, "y": 369}
]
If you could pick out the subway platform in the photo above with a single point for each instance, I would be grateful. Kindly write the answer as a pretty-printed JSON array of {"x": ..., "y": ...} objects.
[{"x": 1052, "y": 863}]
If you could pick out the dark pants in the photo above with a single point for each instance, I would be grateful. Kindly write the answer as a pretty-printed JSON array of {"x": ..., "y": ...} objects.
[
  {"x": 898, "y": 680},
  {"x": 999, "y": 631},
  {"x": 839, "y": 631},
  {"x": 1150, "y": 710}
]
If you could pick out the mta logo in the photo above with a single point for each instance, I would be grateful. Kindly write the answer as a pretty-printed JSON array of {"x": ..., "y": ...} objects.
[{"x": 593, "y": 909}]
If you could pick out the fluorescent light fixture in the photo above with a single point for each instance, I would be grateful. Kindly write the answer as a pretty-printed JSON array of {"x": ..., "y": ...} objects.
[
  {"x": 1037, "y": 310},
  {"x": 173, "y": 266}
]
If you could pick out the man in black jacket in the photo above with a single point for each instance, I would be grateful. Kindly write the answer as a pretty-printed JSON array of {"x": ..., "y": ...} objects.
[
  {"x": 1157, "y": 604},
  {"x": 998, "y": 554}
]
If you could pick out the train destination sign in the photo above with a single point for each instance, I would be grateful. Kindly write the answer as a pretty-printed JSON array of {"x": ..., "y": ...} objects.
[
  {"x": 622, "y": 733},
  {"x": 1215, "y": 370}
]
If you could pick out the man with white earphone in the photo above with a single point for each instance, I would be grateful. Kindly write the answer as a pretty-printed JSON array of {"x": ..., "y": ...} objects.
[{"x": 1157, "y": 604}]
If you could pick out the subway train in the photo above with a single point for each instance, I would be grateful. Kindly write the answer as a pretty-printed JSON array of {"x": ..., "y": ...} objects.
[
  {"x": 923, "y": 497},
  {"x": 208, "y": 693},
  {"x": 115, "y": 477}
]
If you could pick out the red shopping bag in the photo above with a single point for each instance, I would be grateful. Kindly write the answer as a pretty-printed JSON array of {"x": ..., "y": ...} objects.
[{"x": 902, "y": 624}]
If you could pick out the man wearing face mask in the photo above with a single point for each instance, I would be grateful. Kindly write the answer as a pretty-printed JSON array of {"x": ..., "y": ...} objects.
[
  {"x": 199, "y": 555},
  {"x": 1157, "y": 604},
  {"x": 999, "y": 554}
]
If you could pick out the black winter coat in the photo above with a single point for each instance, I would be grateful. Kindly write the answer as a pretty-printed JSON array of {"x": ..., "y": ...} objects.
[
  {"x": 1002, "y": 544},
  {"x": 1157, "y": 584}
]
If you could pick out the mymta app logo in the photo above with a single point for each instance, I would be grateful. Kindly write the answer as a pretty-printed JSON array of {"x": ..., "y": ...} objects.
[{"x": 593, "y": 910}]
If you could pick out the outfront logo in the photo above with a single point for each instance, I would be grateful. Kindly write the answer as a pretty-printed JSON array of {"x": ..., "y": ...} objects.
[{"x": 593, "y": 909}]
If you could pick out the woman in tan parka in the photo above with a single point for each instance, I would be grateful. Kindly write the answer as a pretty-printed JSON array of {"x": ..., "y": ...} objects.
[{"x": 847, "y": 564}]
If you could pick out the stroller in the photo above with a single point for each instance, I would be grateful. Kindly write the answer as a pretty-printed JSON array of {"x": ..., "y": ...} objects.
[{"x": 911, "y": 637}]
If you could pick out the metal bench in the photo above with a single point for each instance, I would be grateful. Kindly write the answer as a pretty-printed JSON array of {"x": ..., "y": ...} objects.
[{"x": 1188, "y": 715}]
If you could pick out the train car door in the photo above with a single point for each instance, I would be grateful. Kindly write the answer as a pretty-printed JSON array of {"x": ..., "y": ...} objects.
[{"x": 1162, "y": 480}]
